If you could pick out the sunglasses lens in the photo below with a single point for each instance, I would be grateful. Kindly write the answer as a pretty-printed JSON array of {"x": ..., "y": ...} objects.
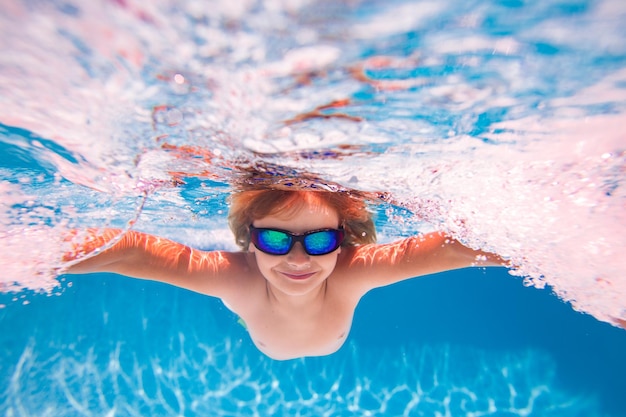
[
  {"x": 322, "y": 242},
  {"x": 278, "y": 242},
  {"x": 273, "y": 241}
]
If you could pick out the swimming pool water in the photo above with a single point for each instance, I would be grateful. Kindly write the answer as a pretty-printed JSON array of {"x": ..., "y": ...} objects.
[
  {"x": 497, "y": 121},
  {"x": 113, "y": 346}
]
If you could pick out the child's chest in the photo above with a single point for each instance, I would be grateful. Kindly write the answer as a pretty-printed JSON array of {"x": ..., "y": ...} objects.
[{"x": 285, "y": 334}]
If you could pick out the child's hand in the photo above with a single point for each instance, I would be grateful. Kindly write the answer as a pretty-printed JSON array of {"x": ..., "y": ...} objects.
[{"x": 619, "y": 322}]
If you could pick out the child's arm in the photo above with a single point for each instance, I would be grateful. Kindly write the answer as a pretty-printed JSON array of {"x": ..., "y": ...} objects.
[
  {"x": 144, "y": 256},
  {"x": 381, "y": 265}
]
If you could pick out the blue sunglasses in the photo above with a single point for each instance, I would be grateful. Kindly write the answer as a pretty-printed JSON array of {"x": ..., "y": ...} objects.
[{"x": 280, "y": 242}]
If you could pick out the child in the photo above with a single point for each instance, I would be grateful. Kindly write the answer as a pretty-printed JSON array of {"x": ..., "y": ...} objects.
[{"x": 308, "y": 257}]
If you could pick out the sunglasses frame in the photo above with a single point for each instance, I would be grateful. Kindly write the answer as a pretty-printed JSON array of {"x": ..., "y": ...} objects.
[{"x": 296, "y": 237}]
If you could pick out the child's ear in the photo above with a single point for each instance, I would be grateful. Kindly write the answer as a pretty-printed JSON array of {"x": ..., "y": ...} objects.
[{"x": 251, "y": 247}]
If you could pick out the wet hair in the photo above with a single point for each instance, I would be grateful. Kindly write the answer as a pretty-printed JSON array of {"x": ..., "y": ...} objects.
[
  {"x": 249, "y": 205},
  {"x": 263, "y": 188}
]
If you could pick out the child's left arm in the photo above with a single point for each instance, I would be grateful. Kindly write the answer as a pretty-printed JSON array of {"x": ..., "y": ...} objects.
[{"x": 385, "y": 264}]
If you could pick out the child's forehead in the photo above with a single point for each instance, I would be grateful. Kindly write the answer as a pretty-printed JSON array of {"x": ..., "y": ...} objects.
[{"x": 311, "y": 202}]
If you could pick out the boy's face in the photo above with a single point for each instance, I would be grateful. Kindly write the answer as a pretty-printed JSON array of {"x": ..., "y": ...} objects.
[{"x": 298, "y": 273}]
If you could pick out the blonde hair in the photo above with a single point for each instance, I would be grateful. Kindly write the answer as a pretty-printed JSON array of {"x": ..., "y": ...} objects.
[{"x": 249, "y": 205}]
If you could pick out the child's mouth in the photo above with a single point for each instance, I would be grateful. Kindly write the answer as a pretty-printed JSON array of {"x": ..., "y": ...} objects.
[{"x": 298, "y": 276}]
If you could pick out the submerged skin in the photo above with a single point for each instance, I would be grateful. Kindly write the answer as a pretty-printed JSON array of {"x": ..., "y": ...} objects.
[{"x": 294, "y": 305}]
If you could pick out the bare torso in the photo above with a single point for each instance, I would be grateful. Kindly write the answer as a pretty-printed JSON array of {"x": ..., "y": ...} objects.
[{"x": 286, "y": 329}]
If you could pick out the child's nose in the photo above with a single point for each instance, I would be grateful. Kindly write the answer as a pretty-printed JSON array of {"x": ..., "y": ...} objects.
[{"x": 297, "y": 255}]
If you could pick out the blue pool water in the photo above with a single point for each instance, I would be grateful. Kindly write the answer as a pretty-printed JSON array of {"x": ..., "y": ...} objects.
[
  {"x": 499, "y": 122},
  {"x": 110, "y": 346}
]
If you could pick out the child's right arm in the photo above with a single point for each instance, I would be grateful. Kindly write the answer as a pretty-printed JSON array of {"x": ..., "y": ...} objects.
[{"x": 145, "y": 256}]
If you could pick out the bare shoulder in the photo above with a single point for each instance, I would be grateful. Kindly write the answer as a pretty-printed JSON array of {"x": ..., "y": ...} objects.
[
  {"x": 238, "y": 281},
  {"x": 223, "y": 272},
  {"x": 365, "y": 267},
  {"x": 350, "y": 276}
]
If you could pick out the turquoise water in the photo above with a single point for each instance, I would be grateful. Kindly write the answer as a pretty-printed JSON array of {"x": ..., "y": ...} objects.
[{"x": 498, "y": 122}]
